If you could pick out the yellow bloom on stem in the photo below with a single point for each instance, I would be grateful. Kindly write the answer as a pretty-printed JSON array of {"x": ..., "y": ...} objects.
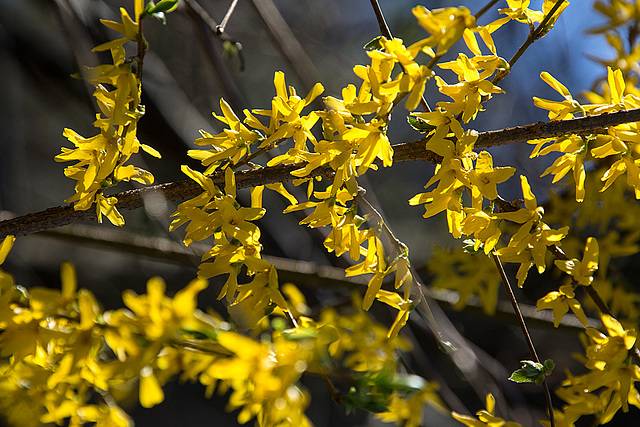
[
  {"x": 445, "y": 25},
  {"x": 574, "y": 149},
  {"x": 518, "y": 10},
  {"x": 473, "y": 85},
  {"x": 561, "y": 301},
  {"x": 485, "y": 417},
  {"x": 582, "y": 271},
  {"x": 485, "y": 177},
  {"x": 558, "y": 110},
  {"x": 533, "y": 235},
  {"x": 285, "y": 118}
]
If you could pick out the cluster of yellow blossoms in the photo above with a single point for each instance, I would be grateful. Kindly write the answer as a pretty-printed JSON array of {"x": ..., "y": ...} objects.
[
  {"x": 62, "y": 354},
  {"x": 101, "y": 159},
  {"x": 64, "y": 358}
]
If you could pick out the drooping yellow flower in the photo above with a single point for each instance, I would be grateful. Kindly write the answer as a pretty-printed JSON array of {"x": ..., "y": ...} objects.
[
  {"x": 445, "y": 25},
  {"x": 561, "y": 301},
  {"x": 582, "y": 271},
  {"x": 485, "y": 417},
  {"x": 558, "y": 110}
]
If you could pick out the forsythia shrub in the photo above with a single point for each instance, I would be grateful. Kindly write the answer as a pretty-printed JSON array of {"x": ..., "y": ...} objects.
[{"x": 64, "y": 359}]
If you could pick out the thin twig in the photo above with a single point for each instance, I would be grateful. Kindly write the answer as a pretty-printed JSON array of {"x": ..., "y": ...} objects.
[
  {"x": 399, "y": 247},
  {"x": 263, "y": 150},
  {"x": 220, "y": 28},
  {"x": 207, "y": 20},
  {"x": 533, "y": 36},
  {"x": 486, "y": 7},
  {"x": 142, "y": 49},
  {"x": 525, "y": 332},
  {"x": 207, "y": 27},
  {"x": 386, "y": 32}
]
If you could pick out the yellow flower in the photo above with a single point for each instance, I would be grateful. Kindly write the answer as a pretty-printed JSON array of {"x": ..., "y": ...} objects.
[
  {"x": 5, "y": 247},
  {"x": 486, "y": 417},
  {"x": 485, "y": 177},
  {"x": 473, "y": 85},
  {"x": 561, "y": 301},
  {"x": 582, "y": 271},
  {"x": 233, "y": 143},
  {"x": 128, "y": 28},
  {"x": 445, "y": 25},
  {"x": 558, "y": 110},
  {"x": 574, "y": 148},
  {"x": 533, "y": 235}
]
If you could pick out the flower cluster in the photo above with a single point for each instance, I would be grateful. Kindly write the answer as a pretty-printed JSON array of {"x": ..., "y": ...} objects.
[
  {"x": 64, "y": 358},
  {"x": 611, "y": 375},
  {"x": 101, "y": 159}
]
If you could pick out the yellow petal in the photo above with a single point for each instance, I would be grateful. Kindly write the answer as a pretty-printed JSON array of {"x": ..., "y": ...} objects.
[
  {"x": 555, "y": 84},
  {"x": 68, "y": 279},
  {"x": 229, "y": 182},
  {"x": 150, "y": 391},
  {"x": 5, "y": 247}
]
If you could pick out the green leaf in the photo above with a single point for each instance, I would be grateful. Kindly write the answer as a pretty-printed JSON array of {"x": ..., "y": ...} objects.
[
  {"x": 420, "y": 125},
  {"x": 161, "y": 6},
  {"x": 532, "y": 372},
  {"x": 374, "y": 44},
  {"x": 229, "y": 49},
  {"x": 372, "y": 402},
  {"x": 519, "y": 377}
]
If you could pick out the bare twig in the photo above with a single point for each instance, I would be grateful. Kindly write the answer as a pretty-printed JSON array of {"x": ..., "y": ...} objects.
[
  {"x": 142, "y": 48},
  {"x": 525, "y": 332},
  {"x": 208, "y": 27},
  {"x": 399, "y": 247},
  {"x": 486, "y": 7},
  {"x": 533, "y": 36},
  {"x": 220, "y": 28}
]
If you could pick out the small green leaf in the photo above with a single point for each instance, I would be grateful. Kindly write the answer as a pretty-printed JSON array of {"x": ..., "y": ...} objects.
[
  {"x": 229, "y": 49},
  {"x": 532, "y": 372},
  {"x": 374, "y": 44},
  {"x": 161, "y": 6},
  {"x": 519, "y": 377},
  {"x": 372, "y": 402},
  {"x": 420, "y": 125}
]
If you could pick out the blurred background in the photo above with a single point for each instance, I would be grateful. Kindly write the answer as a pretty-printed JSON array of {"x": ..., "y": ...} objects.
[{"x": 187, "y": 71}]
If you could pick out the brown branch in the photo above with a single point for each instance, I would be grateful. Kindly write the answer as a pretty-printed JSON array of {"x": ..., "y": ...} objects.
[
  {"x": 133, "y": 199},
  {"x": 181, "y": 190}
]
